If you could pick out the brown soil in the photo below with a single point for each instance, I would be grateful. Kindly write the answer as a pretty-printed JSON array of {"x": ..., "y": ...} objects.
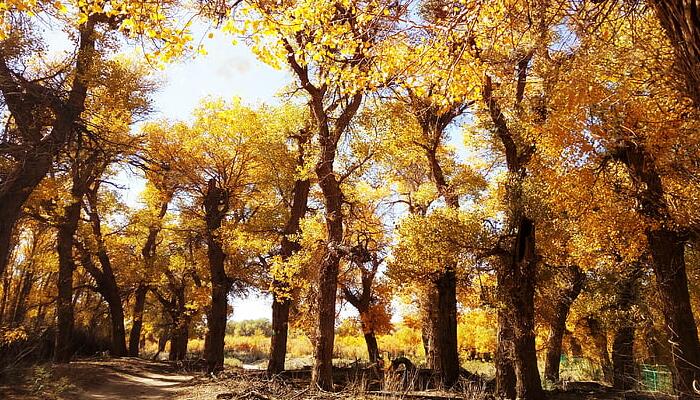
[{"x": 127, "y": 378}]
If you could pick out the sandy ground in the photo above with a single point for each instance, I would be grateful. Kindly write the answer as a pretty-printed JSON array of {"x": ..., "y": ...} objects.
[{"x": 127, "y": 378}]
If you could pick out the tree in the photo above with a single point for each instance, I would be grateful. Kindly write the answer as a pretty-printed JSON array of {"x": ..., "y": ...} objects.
[
  {"x": 334, "y": 67},
  {"x": 46, "y": 102}
]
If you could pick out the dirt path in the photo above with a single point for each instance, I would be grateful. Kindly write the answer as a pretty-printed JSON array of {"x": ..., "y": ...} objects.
[{"x": 127, "y": 378}]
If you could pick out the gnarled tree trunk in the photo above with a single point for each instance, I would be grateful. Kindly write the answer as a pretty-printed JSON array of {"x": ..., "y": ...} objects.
[
  {"x": 447, "y": 321},
  {"x": 216, "y": 207},
  {"x": 505, "y": 372},
  {"x": 681, "y": 21},
  {"x": 64, "y": 303},
  {"x": 668, "y": 253}
]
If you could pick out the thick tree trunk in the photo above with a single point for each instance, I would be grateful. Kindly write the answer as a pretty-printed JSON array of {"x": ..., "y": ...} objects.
[
  {"x": 519, "y": 284},
  {"x": 668, "y": 253},
  {"x": 216, "y": 207},
  {"x": 280, "y": 329},
  {"x": 505, "y": 372},
  {"x": 280, "y": 307},
  {"x": 681, "y": 20},
  {"x": 554, "y": 346},
  {"x": 322, "y": 373},
  {"x": 624, "y": 373},
  {"x": 218, "y": 311},
  {"x": 447, "y": 321},
  {"x": 116, "y": 313},
  {"x": 66, "y": 266},
  {"x": 137, "y": 316}
]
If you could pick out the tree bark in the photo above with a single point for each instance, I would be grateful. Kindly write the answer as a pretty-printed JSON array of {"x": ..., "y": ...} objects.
[
  {"x": 575, "y": 279},
  {"x": 322, "y": 372},
  {"x": 447, "y": 321},
  {"x": 372, "y": 347},
  {"x": 519, "y": 284},
  {"x": 681, "y": 19},
  {"x": 668, "y": 253},
  {"x": 137, "y": 316},
  {"x": 216, "y": 207},
  {"x": 280, "y": 306},
  {"x": 64, "y": 303},
  {"x": 280, "y": 329},
  {"x": 107, "y": 282},
  {"x": 505, "y": 373}
]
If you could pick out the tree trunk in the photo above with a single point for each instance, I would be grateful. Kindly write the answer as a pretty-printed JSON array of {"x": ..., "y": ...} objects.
[
  {"x": 372, "y": 347},
  {"x": 216, "y": 207},
  {"x": 517, "y": 280},
  {"x": 280, "y": 307},
  {"x": 322, "y": 373},
  {"x": 600, "y": 343},
  {"x": 280, "y": 328},
  {"x": 681, "y": 19},
  {"x": 668, "y": 253},
  {"x": 444, "y": 354},
  {"x": 554, "y": 346},
  {"x": 66, "y": 266},
  {"x": 557, "y": 328},
  {"x": 447, "y": 321},
  {"x": 624, "y": 373},
  {"x": 217, "y": 326},
  {"x": 116, "y": 313},
  {"x": 505, "y": 373},
  {"x": 107, "y": 282},
  {"x": 137, "y": 316},
  {"x": 179, "y": 338},
  {"x": 6, "y": 281}
]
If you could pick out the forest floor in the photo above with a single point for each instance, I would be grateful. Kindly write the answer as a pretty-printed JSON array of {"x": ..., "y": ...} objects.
[{"x": 131, "y": 378}]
